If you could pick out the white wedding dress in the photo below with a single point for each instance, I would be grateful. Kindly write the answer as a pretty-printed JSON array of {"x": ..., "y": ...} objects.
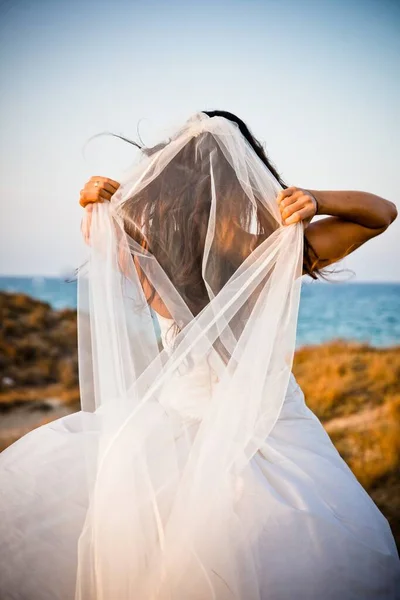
[
  {"x": 194, "y": 471},
  {"x": 322, "y": 536}
]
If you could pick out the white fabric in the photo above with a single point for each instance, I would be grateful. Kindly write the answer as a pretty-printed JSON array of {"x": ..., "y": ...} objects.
[{"x": 193, "y": 472}]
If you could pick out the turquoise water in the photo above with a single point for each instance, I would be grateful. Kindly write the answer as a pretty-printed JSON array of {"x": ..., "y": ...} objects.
[{"x": 368, "y": 312}]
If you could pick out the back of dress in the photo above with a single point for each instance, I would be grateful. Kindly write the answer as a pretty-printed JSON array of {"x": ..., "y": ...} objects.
[
  {"x": 196, "y": 229},
  {"x": 188, "y": 394}
]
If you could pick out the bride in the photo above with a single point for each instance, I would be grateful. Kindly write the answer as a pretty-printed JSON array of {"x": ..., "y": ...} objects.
[{"x": 194, "y": 469}]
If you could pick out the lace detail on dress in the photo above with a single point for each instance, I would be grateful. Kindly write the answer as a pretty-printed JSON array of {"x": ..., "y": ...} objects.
[{"x": 167, "y": 332}]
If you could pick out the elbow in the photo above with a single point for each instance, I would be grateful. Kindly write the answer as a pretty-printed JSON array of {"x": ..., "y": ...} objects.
[
  {"x": 392, "y": 212},
  {"x": 382, "y": 212},
  {"x": 388, "y": 215}
]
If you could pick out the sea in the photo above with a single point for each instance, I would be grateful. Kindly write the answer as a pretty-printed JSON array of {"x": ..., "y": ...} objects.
[{"x": 364, "y": 312}]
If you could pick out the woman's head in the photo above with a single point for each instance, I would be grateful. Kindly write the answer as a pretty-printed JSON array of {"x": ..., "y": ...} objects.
[
  {"x": 177, "y": 205},
  {"x": 254, "y": 143},
  {"x": 175, "y": 217}
]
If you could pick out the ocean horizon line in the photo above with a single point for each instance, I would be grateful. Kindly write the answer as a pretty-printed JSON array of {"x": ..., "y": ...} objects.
[{"x": 306, "y": 280}]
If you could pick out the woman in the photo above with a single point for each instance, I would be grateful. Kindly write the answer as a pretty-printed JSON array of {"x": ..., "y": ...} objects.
[
  {"x": 195, "y": 470},
  {"x": 354, "y": 217}
]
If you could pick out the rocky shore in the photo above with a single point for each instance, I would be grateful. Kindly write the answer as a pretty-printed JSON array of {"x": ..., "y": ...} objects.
[
  {"x": 353, "y": 388},
  {"x": 38, "y": 365}
]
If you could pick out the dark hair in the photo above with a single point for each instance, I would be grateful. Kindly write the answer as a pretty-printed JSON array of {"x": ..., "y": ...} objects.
[
  {"x": 147, "y": 214},
  {"x": 311, "y": 258}
]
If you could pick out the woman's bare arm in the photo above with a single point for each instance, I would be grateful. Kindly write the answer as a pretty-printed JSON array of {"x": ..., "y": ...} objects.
[{"x": 353, "y": 218}]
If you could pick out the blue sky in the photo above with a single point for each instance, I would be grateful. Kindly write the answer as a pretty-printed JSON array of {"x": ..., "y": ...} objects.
[{"x": 317, "y": 81}]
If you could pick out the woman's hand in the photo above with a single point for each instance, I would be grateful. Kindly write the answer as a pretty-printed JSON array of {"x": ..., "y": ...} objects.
[
  {"x": 297, "y": 204},
  {"x": 97, "y": 189}
]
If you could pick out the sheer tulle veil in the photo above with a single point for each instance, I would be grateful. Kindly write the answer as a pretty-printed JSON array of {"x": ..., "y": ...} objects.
[
  {"x": 162, "y": 519},
  {"x": 195, "y": 469}
]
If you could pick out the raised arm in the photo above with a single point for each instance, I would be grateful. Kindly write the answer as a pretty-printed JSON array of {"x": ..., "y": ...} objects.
[{"x": 354, "y": 218}]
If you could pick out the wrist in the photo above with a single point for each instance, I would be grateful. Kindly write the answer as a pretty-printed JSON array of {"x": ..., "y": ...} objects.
[{"x": 317, "y": 200}]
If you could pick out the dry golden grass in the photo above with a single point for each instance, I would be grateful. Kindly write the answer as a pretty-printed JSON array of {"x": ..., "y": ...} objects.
[
  {"x": 372, "y": 450},
  {"x": 340, "y": 378}
]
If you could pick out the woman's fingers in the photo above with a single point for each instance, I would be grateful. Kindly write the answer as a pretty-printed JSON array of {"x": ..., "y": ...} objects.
[
  {"x": 287, "y": 193},
  {"x": 105, "y": 183},
  {"x": 288, "y": 210},
  {"x": 88, "y": 196},
  {"x": 98, "y": 189},
  {"x": 300, "y": 215},
  {"x": 302, "y": 202},
  {"x": 296, "y": 205},
  {"x": 105, "y": 180}
]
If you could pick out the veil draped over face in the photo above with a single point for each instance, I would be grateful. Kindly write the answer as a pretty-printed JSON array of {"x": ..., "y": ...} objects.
[{"x": 194, "y": 232}]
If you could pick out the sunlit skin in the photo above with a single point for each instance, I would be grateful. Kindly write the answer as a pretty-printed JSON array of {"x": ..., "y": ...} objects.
[{"x": 352, "y": 219}]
